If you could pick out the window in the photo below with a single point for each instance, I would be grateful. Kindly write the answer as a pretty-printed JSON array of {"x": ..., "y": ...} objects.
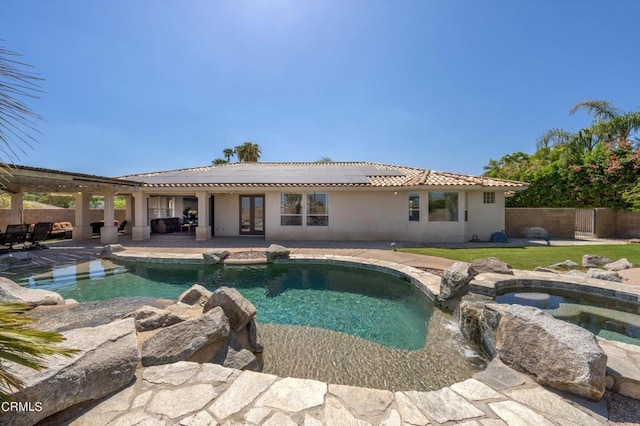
[
  {"x": 443, "y": 206},
  {"x": 489, "y": 197},
  {"x": 317, "y": 209},
  {"x": 291, "y": 209},
  {"x": 414, "y": 206}
]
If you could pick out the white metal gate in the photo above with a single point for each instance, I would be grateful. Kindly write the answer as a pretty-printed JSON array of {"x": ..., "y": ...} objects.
[{"x": 585, "y": 223}]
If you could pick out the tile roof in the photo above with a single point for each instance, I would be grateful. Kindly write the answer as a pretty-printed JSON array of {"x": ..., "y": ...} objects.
[{"x": 316, "y": 174}]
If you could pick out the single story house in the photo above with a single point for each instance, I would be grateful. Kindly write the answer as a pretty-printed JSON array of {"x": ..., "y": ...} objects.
[{"x": 320, "y": 201}]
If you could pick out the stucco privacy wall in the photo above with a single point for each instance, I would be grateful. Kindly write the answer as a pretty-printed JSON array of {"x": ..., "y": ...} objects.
[
  {"x": 559, "y": 222},
  {"x": 55, "y": 215}
]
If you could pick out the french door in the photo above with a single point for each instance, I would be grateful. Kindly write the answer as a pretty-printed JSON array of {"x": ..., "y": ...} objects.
[{"x": 252, "y": 215}]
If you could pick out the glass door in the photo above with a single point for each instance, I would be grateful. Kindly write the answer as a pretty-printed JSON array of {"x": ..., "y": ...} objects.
[{"x": 252, "y": 215}]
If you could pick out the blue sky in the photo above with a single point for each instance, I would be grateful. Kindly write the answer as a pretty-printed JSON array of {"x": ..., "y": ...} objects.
[{"x": 138, "y": 86}]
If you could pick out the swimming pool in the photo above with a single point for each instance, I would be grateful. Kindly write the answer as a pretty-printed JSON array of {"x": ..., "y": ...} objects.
[{"x": 363, "y": 303}]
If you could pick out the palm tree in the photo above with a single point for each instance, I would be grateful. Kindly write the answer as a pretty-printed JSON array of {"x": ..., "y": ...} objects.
[
  {"x": 18, "y": 342},
  {"x": 17, "y": 120},
  {"x": 228, "y": 152},
  {"x": 610, "y": 124},
  {"x": 24, "y": 346},
  {"x": 248, "y": 152}
]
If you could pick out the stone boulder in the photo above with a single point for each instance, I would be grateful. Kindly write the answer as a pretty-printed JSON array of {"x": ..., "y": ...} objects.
[
  {"x": 601, "y": 274},
  {"x": 109, "y": 249},
  {"x": 11, "y": 292},
  {"x": 197, "y": 295},
  {"x": 197, "y": 340},
  {"x": 106, "y": 362},
  {"x": 150, "y": 318},
  {"x": 543, "y": 269},
  {"x": 593, "y": 261},
  {"x": 276, "y": 251},
  {"x": 236, "y": 355},
  {"x": 454, "y": 279},
  {"x": 491, "y": 265},
  {"x": 567, "y": 264},
  {"x": 478, "y": 318},
  {"x": 619, "y": 265},
  {"x": 238, "y": 310},
  {"x": 254, "y": 337},
  {"x": 536, "y": 232},
  {"x": 215, "y": 257},
  {"x": 556, "y": 353}
]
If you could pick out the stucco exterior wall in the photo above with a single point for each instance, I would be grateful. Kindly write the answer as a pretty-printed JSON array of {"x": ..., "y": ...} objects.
[
  {"x": 484, "y": 219},
  {"x": 226, "y": 215}
]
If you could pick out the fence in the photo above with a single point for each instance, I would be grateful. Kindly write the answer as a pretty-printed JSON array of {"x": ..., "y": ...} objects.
[{"x": 573, "y": 223}]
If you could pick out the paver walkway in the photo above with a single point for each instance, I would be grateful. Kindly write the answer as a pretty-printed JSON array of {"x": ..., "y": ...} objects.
[{"x": 187, "y": 393}]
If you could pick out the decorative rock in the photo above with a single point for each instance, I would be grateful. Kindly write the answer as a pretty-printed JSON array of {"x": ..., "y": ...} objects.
[
  {"x": 196, "y": 295},
  {"x": 240, "y": 359},
  {"x": 254, "y": 337},
  {"x": 593, "y": 261},
  {"x": 150, "y": 318},
  {"x": 543, "y": 269},
  {"x": 238, "y": 310},
  {"x": 197, "y": 340},
  {"x": 106, "y": 362},
  {"x": 619, "y": 265},
  {"x": 604, "y": 275},
  {"x": 109, "y": 249},
  {"x": 567, "y": 264},
  {"x": 536, "y": 232},
  {"x": 558, "y": 354},
  {"x": 276, "y": 251},
  {"x": 215, "y": 257},
  {"x": 454, "y": 279},
  {"x": 11, "y": 292},
  {"x": 490, "y": 264},
  {"x": 478, "y": 320}
]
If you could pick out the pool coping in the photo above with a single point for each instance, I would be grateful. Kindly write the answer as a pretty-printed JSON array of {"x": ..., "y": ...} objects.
[{"x": 427, "y": 283}]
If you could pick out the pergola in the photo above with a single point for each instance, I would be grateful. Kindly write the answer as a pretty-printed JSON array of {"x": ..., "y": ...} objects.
[{"x": 17, "y": 180}]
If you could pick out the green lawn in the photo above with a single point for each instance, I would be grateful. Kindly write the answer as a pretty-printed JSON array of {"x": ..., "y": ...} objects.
[{"x": 530, "y": 257}]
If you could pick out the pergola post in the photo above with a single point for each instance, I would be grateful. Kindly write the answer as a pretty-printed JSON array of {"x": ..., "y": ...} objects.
[
  {"x": 203, "y": 231},
  {"x": 109, "y": 232},
  {"x": 16, "y": 208},
  {"x": 141, "y": 230},
  {"x": 81, "y": 228},
  {"x": 128, "y": 214}
]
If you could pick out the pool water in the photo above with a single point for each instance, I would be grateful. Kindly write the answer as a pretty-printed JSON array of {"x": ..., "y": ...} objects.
[
  {"x": 367, "y": 304},
  {"x": 619, "y": 321}
]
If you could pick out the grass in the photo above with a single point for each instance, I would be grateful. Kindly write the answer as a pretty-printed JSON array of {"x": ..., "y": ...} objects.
[{"x": 530, "y": 257}]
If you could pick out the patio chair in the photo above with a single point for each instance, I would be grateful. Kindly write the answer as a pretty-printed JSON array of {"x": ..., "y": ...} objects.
[
  {"x": 15, "y": 234},
  {"x": 41, "y": 232}
]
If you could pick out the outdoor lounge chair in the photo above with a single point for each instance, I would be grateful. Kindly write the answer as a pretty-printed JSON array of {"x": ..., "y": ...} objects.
[
  {"x": 15, "y": 234},
  {"x": 41, "y": 232}
]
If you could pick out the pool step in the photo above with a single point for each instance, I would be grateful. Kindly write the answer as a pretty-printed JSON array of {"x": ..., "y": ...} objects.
[{"x": 623, "y": 367}]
